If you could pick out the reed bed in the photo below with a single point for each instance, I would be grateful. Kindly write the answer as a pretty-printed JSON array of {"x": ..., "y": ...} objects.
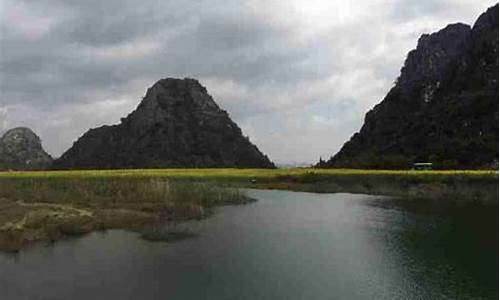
[{"x": 34, "y": 209}]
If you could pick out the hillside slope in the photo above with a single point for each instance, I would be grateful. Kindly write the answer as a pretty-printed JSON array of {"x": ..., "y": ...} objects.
[{"x": 443, "y": 107}]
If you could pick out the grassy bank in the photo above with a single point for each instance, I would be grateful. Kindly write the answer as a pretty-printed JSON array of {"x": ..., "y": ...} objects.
[
  {"x": 467, "y": 186},
  {"x": 464, "y": 184},
  {"x": 40, "y": 209},
  {"x": 248, "y": 174},
  {"x": 47, "y": 205}
]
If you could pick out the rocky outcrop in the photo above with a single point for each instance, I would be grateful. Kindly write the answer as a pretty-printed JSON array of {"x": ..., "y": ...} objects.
[
  {"x": 443, "y": 108},
  {"x": 21, "y": 149},
  {"x": 177, "y": 124}
]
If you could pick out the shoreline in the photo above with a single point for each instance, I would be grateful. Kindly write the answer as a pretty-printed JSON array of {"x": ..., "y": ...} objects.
[{"x": 460, "y": 190}]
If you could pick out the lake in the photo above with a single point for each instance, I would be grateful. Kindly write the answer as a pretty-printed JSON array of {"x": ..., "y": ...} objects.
[{"x": 288, "y": 245}]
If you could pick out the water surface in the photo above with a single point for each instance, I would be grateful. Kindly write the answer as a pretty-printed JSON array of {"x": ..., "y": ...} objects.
[{"x": 288, "y": 245}]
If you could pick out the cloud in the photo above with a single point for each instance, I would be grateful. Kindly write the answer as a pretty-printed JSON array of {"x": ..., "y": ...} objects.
[{"x": 296, "y": 75}]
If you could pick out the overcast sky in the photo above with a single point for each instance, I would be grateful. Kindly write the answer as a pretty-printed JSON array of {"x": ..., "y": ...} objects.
[{"x": 297, "y": 75}]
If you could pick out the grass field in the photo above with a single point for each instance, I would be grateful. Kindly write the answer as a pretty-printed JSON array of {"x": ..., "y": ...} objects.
[
  {"x": 471, "y": 184},
  {"x": 239, "y": 174},
  {"x": 47, "y": 205},
  {"x": 390, "y": 182}
]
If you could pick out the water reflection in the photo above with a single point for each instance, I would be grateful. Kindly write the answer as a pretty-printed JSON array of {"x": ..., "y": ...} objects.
[{"x": 447, "y": 246}]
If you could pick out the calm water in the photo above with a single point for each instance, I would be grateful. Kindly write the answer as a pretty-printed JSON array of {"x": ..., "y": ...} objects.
[{"x": 288, "y": 245}]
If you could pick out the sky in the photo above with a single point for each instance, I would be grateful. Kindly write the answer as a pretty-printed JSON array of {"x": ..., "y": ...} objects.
[{"x": 297, "y": 76}]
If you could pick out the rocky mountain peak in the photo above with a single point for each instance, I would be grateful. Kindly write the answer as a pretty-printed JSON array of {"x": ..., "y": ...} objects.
[
  {"x": 175, "y": 90},
  {"x": 426, "y": 64},
  {"x": 487, "y": 20},
  {"x": 21, "y": 137},
  {"x": 169, "y": 95},
  {"x": 21, "y": 148},
  {"x": 177, "y": 124}
]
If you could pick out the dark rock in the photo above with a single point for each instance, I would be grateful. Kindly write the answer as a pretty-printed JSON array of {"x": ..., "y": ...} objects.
[
  {"x": 177, "y": 124},
  {"x": 443, "y": 108},
  {"x": 21, "y": 149}
]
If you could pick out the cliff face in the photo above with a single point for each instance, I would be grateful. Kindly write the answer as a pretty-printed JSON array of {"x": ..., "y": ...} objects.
[
  {"x": 443, "y": 108},
  {"x": 21, "y": 149},
  {"x": 177, "y": 124}
]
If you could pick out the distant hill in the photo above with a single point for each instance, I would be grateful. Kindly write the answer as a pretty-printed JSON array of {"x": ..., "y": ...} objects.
[
  {"x": 177, "y": 124},
  {"x": 442, "y": 109},
  {"x": 21, "y": 149}
]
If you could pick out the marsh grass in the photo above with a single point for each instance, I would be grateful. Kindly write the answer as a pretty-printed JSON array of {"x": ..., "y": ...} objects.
[
  {"x": 111, "y": 192},
  {"x": 262, "y": 175},
  {"x": 48, "y": 208}
]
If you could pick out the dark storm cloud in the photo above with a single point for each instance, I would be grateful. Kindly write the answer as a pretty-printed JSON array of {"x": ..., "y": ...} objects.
[
  {"x": 302, "y": 68},
  {"x": 192, "y": 39}
]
